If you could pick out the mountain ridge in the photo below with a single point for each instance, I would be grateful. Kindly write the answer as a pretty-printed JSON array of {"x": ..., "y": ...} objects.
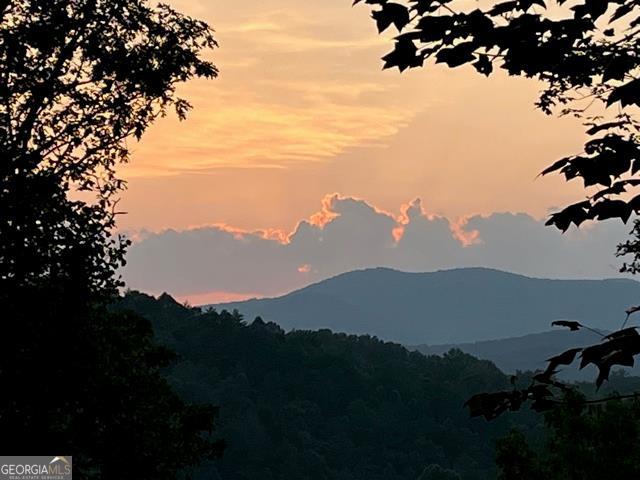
[
  {"x": 529, "y": 352},
  {"x": 445, "y": 306},
  {"x": 395, "y": 270}
]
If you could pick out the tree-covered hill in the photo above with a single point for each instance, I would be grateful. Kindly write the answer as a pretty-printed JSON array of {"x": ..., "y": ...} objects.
[{"x": 321, "y": 405}]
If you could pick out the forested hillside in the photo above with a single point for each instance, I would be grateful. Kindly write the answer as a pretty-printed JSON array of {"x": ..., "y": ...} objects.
[{"x": 320, "y": 405}]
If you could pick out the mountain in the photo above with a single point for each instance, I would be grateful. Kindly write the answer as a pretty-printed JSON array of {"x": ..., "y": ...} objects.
[
  {"x": 321, "y": 405},
  {"x": 451, "y": 306},
  {"x": 529, "y": 352}
]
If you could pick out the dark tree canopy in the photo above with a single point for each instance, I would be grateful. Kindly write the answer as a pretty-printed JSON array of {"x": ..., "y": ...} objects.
[
  {"x": 582, "y": 443},
  {"x": 587, "y": 55},
  {"x": 92, "y": 383},
  {"x": 78, "y": 79}
]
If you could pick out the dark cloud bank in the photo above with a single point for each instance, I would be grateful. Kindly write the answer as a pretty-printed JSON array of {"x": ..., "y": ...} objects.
[{"x": 351, "y": 234}]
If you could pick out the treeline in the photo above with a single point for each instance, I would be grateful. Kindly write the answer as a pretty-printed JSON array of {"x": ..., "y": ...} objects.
[{"x": 321, "y": 405}]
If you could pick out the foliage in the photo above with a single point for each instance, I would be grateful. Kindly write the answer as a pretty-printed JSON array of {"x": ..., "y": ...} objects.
[
  {"x": 90, "y": 382},
  {"x": 615, "y": 349},
  {"x": 78, "y": 80},
  {"x": 436, "y": 472},
  {"x": 631, "y": 247},
  {"x": 515, "y": 458},
  {"x": 584, "y": 442},
  {"x": 586, "y": 55},
  {"x": 323, "y": 405}
]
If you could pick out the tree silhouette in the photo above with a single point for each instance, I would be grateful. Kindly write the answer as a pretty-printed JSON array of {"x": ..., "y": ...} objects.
[
  {"x": 79, "y": 79},
  {"x": 586, "y": 54}
]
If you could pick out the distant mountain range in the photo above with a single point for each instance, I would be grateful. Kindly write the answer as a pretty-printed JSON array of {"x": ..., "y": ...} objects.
[
  {"x": 528, "y": 352},
  {"x": 445, "y": 307}
]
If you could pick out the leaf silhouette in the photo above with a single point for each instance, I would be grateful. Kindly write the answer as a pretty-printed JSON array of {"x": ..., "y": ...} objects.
[
  {"x": 621, "y": 345},
  {"x": 576, "y": 214},
  {"x": 565, "y": 358},
  {"x": 391, "y": 14},
  {"x": 556, "y": 166},
  {"x": 483, "y": 65},
  {"x": 570, "y": 324},
  {"x": 627, "y": 94},
  {"x": 632, "y": 310},
  {"x": 616, "y": 358},
  {"x": 631, "y": 331},
  {"x": 546, "y": 376},
  {"x": 458, "y": 55},
  {"x": 405, "y": 55},
  {"x": 606, "y": 209}
]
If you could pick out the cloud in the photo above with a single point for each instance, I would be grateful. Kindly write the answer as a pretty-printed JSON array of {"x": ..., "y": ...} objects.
[
  {"x": 301, "y": 100},
  {"x": 219, "y": 261},
  {"x": 291, "y": 88}
]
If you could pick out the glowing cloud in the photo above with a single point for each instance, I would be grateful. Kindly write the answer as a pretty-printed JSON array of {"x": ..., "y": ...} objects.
[{"x": 224, "y": 262}]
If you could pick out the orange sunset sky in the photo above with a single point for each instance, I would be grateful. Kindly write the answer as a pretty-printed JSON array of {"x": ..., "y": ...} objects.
[
  {"x": 302, "y": 109},
  {"x": 304, "y": 160}
]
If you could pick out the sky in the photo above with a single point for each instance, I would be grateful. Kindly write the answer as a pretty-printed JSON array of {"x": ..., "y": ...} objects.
[{"x": 304, "y": 132}]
